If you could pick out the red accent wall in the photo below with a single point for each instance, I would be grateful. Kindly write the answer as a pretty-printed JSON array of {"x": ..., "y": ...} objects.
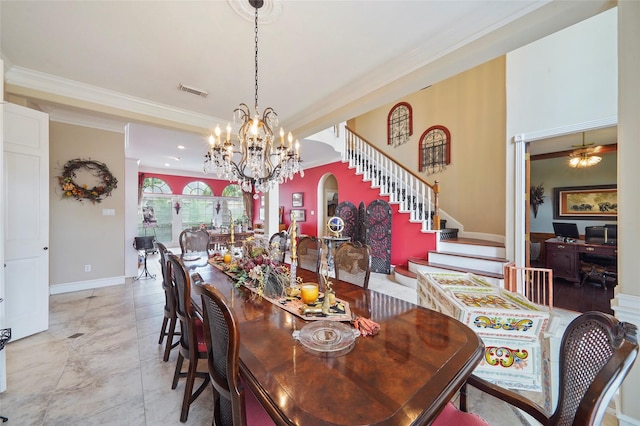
[
  {"x": 406, "y": 238},
  {"x": 177, "y": 183}
]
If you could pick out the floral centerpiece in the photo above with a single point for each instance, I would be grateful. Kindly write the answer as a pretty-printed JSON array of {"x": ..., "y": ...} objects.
[{"x": 258, "y": 269}]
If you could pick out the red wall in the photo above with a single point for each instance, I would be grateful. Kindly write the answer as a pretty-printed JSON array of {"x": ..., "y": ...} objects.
[
  {"x": 406, "y": 238},
  {"x": 177, "y": 183}
]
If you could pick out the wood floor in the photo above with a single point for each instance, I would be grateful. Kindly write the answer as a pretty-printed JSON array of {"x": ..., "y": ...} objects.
[{"x": 589, "y": 297}]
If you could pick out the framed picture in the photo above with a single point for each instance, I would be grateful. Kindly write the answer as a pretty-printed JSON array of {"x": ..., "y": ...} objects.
[
  {"x": 297, "y": 199},
  {"x": 299, "y": 214},
  {"x": 599, "y": 202}
]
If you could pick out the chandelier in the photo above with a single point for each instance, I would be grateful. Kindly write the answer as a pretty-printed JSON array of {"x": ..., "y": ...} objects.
[
  {"x": 584, "y": 156},
  {"x": 263, "y": 161}
]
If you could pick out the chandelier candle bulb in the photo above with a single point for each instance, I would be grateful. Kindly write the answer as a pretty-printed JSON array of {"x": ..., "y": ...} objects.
[
  {"x": 281, "y": 136},
  {"x": 228, "y": 131}
]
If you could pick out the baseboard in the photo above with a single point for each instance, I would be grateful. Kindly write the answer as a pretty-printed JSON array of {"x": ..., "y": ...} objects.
[{"x": 86, "y": 285}]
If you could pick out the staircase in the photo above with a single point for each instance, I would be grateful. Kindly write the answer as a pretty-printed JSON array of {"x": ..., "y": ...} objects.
[
  {"x": 483, "y": 258},
  {"x": 419, "y": 200}
]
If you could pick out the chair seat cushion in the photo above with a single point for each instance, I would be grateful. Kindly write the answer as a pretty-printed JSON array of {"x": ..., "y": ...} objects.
[
  {"x": 256, "y": 415},
  {"x": 452, "y": 416},
  {"x": 202, "y": 346}
]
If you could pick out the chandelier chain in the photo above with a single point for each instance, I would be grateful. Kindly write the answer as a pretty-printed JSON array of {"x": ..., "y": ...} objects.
[{"x": 256, "y": 61}]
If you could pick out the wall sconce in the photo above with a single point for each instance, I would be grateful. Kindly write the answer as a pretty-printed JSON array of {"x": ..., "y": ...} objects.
[
  {"x": 177, "y": 207},
  {"x": 218, "y": 207}
]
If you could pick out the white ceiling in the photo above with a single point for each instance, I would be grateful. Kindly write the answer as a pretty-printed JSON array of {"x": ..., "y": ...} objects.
[{"x": 320, "y": 62}]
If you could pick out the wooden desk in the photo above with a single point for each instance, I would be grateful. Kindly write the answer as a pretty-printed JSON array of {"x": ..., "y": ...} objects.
[
  {"x": 564, "y": 257},
  {"x": 402, "y": 376}
]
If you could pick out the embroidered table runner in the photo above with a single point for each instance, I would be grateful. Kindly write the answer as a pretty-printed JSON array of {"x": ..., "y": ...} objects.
[{"x": 340, "y": 311}]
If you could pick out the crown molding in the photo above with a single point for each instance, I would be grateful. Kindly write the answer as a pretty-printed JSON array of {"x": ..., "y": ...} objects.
[{"x": 34, "y": 80}]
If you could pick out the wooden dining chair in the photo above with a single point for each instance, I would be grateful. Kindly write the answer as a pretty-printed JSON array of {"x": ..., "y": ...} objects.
[
  {"x": 278, "y": 241},
  {"x": 192, "y": 240},
  {"x": 309, "y": 252},
  {"x": 352, "y": 263},
  {"x": 596, "y": 354},
  {"x": 192, "y": 345},
  {"x": 234, "y": 404},
  {"x": 170, "y": 320}
]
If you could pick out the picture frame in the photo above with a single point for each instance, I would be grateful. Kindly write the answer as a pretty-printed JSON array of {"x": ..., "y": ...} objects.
[
  {"x": 595, "y": 202},
  {"x": 297, "y": 199},
  {"x": 300, "y": 215}
]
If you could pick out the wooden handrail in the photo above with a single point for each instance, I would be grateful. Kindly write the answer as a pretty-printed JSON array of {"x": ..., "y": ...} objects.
[{"x": 435, "y": 187}]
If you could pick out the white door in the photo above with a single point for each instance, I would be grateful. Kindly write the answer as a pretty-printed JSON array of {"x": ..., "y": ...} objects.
[{"x": 26, "y": 220}]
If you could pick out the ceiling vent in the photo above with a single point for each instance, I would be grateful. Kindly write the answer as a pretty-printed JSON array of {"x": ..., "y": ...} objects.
[{"x": 192, "y": 90}]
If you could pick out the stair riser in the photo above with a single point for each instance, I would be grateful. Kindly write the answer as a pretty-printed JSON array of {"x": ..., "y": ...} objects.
[
  {"x": 472, "y": 250},
  {"x": 405, "y": 281},
  {"x": 467, "y": 262}
]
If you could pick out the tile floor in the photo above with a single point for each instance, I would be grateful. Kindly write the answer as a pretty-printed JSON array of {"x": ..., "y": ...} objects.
[{"x": 100, "y": 363}]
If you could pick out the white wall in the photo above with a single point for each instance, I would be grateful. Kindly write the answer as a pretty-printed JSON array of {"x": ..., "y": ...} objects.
[{"x": 567, "y": 78}]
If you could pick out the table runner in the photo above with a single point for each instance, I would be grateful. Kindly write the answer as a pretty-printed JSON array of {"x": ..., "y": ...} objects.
[{"x": 338, "y": 312}]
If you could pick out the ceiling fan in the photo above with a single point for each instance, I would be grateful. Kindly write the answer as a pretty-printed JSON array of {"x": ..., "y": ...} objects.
[{"x": 584, "y": 155}]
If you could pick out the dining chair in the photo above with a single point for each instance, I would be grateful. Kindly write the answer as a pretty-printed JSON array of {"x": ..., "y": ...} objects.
[
  {"x": 192, "y": 345},
  {"x": 192, "y": 240},
  {"x": 309, "y": 253},
  {"x": 352, "y": 263},
  {"x": 279, "y": 242},
  {"x": 234, "y": 403},
  {"x": 170, "y": 320},
  {"x": 596, "y": 354}
]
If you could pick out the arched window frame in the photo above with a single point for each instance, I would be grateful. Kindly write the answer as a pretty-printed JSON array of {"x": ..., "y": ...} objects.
[
  {"x": 399, "y": 126},
  {"x": 156, "y": 185},
  {"x": 197, "y": 187},
  {"x": 431, "y": 159}
]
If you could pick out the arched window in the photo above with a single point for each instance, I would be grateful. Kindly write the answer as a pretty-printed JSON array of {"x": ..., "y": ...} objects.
[
  {"x": 399, "y": 124},
  {"x": 435, "y": 150},
  {"x": 197, "y": 188},
  {"x": 155, "y": 186},
  {"x": 232, "y": 190}
]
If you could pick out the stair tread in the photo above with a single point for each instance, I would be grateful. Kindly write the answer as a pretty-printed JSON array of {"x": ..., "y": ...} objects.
[
  {"x": 404, "y": 270},
  {"x": 470, "y": 256},
  {"x": 463, "y": 270},
  {"x": 474, "y": 241}
]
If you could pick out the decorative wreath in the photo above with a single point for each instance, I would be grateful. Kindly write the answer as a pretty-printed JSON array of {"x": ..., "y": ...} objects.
[{"x": 108, "y": 182}]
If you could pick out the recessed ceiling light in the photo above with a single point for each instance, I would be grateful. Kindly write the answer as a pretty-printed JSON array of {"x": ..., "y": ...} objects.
[
  {"x": 180, "y": 146},
  {"x": 167, "y": 165}
]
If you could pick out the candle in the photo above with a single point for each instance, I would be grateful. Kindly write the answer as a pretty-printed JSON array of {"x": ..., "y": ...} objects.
[
  {"x": 228, "y": 131},
  {"x": 281, "y": 136},
  {"x": 309, "y": 293},
  {"x": 217, "y": 135},
  {"x": 297, "y": 147},
  {"x": 294, "y": 243},
  {"x": 290, "y": 138}
]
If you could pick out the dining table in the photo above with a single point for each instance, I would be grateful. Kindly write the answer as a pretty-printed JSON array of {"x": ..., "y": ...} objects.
[{"x": 403, "y": 375}]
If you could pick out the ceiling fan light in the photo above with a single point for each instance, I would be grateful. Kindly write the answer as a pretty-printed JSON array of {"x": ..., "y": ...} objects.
[{"x": 584, "y": 160}]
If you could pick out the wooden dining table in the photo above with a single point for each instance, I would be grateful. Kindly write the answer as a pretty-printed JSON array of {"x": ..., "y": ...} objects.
[{"x": 404, "y": 375}]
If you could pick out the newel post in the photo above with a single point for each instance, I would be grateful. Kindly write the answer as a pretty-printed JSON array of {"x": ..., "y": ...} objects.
[{"x": 436, "y": 205}]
